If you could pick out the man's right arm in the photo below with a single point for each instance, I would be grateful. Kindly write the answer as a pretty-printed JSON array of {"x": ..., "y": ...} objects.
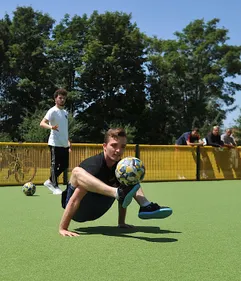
[
  {"x": 83, "y": 181},
  {"x": 45, "y": 124},
  {"x": 69, "y": 212}
]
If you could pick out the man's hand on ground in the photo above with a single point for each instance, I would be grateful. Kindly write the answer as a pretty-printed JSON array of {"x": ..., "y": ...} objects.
[{"x": 64, "y": 232}]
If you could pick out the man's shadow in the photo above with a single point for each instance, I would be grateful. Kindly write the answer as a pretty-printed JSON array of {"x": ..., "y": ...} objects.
[{"x": 125, "y": 232}]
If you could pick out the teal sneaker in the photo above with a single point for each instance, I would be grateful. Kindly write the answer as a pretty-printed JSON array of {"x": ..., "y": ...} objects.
[
  {"x": 154, "y": 211},
  {"x": 126, "y": 194}
]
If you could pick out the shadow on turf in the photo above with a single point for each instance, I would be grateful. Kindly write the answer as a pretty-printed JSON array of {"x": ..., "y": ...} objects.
[{"x": 121, "y": 232}]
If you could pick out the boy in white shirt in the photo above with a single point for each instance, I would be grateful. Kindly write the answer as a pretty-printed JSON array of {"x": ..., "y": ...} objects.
[{"x": 56, "y": 120}]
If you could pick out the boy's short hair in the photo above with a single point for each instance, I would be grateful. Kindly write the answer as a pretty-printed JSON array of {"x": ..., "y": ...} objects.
[
  {"x": 60, "y": 91},
  {"x": 114, "y": 133}
]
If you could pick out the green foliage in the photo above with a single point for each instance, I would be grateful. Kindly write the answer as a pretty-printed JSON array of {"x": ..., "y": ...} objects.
[
  {"x": 30, "y": 129},
  {"x": 237, "y": 129},
  {"x": 130, "y": 131},
  {"x": 64, "y": 50},
  {"x": 189, "y": 79},
  {"x": 75, "y": 130},
  {"x": 5, "y": 137},
  {"x": 24, "y": 80},
  {"x": 114, "y": 74},
  {"x": 112, "y": 77}
]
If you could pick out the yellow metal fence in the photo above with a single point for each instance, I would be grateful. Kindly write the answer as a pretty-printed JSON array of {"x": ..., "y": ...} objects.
[{"x": 22, "y": 162}]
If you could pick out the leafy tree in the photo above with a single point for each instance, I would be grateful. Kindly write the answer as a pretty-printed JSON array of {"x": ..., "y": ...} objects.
[
  {"x": 5, "y": 78},
  {"x": 189, "y": 79},
  {"x": 130, "y": 131},
  {"x": 237, "y": 129},
  {"x": 111, "y": 79},
  {"x": 114, "y": 75},
  {"x": 25, "y": 63},
  {"x": 30, "y": 130},
  {"x": 65, "y": 51},
  {"x": 5, "y": 137}
]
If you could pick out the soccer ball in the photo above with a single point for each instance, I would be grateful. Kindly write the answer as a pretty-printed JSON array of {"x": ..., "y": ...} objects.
[
  {"x": 29, "y": 189},
  {"x": 130, "y": 171}
]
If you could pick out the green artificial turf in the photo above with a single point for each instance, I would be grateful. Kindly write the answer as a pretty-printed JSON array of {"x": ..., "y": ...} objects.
[{"x": 200, "y": 241}]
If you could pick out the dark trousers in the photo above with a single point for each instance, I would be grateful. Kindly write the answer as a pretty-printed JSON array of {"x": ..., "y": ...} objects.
[{"x": 59, "y": 162}]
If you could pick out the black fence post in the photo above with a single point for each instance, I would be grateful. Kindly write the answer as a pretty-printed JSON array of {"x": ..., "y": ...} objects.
[
  {"x": 137, "y": 152},
  {"x": 198, "y": 165}
]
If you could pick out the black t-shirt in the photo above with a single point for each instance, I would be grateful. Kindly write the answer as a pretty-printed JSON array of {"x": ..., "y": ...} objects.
[
  {"x": 95, "y": 205},
  {"x": 96, "y": 166},
  {"x": 214, "y": 140}
]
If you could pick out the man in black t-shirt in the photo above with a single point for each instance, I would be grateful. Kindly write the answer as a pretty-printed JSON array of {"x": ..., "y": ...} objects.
[
  {"x": 94, "y": 205},
  {"x": 213, "y": 138},
  {"x": 93, "y": 188}
]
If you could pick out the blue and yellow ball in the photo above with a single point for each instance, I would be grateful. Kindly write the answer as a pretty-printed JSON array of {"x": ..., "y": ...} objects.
[
  {"x": 130, "y": 171},
  {"x": 29, "y": 189}
]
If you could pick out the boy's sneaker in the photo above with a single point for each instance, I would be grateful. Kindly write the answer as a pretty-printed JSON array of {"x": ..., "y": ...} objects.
[
  {"x": 49, "y": 185},
  {"x": 57, "y": 191},
  {"x": 154, "y": 211},
  {"x": 126, "y": 193}
]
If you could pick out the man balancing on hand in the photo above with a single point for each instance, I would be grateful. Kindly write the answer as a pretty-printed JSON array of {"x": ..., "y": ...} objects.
[{"x": 93, "y": 188}]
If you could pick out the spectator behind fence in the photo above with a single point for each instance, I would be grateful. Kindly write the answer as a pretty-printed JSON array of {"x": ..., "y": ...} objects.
[
  {"x": 190, "y": 138},
  {"x": 230, "y": 142},
  {"x": 213, "y": 138},
  {"x": 228, "y": 139}
]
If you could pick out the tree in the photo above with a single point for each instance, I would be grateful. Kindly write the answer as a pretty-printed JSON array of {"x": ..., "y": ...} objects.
[
  {"x": 30, "y": 130},
  {"x": 237, "y": 129},
  {"x": 189, "y": 80},
  {"x": 5, "y": 78},
  {"x": 25, "y": 63},
  {"x": 65, "y": 52},
  {"x": 111, "y": 79}
]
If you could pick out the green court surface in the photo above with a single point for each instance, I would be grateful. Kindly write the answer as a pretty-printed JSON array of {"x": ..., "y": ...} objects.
[{"x": 200, "y": 241}]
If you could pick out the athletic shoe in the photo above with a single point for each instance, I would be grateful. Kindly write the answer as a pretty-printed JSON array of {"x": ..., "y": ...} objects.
[
  {"x": 126, "y": 193},
  {"x": 154, "y": 211},
  {"x": 57, "y": 191},
  {"x": 49, "y": 185}
]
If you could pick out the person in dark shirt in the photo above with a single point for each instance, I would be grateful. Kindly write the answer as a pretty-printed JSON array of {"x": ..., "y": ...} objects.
[
  {"x": 93, "y": 188},
  {"x": 190, "y": 138},
  {"x": 213, "y": 138}
]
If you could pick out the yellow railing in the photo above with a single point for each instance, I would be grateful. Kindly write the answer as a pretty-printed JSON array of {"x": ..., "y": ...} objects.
[{"x": 22, "y": 162}]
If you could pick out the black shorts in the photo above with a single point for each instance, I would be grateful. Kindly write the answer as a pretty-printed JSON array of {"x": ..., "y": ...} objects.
[{"x": 92, "y": 206}]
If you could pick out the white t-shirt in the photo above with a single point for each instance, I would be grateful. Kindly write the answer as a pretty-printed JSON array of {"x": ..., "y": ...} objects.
[{"x": 59, "y": 117}]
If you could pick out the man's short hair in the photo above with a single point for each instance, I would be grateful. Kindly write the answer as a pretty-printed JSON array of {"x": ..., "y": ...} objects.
[
  {"x": 60, "y": 91},
  {"x": 114, "y": 133}
]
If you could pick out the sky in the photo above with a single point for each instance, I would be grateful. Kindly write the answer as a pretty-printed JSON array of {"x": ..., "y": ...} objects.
[{"x": 154, "y": 17}]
